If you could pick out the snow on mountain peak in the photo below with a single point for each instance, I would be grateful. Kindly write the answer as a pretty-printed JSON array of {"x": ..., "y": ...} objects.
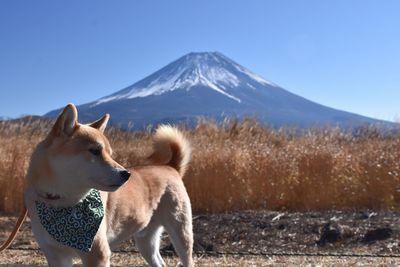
[{"x": 208, "y": 69}]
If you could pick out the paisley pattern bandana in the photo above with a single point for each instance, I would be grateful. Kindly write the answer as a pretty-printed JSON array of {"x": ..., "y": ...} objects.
[{"x": 75, "y": 226}]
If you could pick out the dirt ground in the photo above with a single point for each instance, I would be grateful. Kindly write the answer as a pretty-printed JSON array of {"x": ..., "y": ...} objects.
[
  {"x": 268, "y": 233},
  {"x": 13, "y": 258}
]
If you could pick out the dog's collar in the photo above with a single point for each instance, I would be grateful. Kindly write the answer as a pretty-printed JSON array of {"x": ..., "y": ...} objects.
[
  {"x": 49, "y": 196},
  {"x": 74, "y": 226}
]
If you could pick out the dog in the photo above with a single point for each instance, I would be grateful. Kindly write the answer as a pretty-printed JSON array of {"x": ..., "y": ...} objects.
[{"x": 142, "y": 202}]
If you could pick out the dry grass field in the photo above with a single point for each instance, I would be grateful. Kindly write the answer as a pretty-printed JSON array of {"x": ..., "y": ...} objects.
[{"x": 239, "y": 166}]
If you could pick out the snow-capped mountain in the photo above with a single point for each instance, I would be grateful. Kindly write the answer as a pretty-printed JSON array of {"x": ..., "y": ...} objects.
[
  {"x": 212, "y": 70},
  {"x": 211, "y": 85}
]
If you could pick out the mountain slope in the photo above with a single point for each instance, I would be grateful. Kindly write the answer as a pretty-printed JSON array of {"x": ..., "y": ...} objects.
[{"x": 211, "y": 85}]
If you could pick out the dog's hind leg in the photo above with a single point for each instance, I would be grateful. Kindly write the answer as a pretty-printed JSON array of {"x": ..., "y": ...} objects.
[
  {"x": 178, "y": 225},
  {"x": 148, "y": 243}
]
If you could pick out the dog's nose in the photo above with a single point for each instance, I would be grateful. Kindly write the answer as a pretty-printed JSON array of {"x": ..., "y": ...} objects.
[{"x": 125, "y": 174}]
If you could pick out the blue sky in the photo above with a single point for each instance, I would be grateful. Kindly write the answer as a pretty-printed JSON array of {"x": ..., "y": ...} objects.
[{"x": 340, "y": 53}]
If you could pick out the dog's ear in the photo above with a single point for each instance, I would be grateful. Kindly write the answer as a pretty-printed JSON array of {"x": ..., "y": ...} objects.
[
  {"x": 66, "y": 122},
  {"x": 101, "y": 124}
]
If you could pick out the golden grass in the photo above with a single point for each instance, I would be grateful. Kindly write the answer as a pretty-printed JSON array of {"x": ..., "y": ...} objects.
[{"x": 244, "y": 165}]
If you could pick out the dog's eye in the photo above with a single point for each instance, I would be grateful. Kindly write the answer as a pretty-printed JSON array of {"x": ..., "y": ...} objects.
[{"x": 95, "y": 151}]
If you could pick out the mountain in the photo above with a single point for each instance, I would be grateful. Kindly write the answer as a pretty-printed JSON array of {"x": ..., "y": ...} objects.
[
  {"x": 210, "y": 84},
  {"x": 4, "y": 118}
]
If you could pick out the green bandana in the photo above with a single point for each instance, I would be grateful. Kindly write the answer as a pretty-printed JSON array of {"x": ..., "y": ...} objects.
[{"x": 74, "y": 226}]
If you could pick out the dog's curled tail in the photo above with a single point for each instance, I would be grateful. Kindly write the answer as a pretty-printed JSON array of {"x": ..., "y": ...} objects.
[{"x": 171, "y": 148}]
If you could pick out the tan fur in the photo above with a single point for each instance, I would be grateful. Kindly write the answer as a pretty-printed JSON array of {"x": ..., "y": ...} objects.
[
  {"x": 154, "y": 198},
  {"x": 171, "y": 148}
]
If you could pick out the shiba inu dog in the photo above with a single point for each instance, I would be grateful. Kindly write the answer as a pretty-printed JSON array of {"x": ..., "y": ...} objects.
[{"x": 75, "y": 159}]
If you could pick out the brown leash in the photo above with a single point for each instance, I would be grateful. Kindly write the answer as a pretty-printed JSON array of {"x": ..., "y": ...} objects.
[{"x": 17, "y": 226}]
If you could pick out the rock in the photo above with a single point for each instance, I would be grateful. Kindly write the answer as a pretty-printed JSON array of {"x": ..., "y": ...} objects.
[
  {"x": 367, "y": 215},
  {"x": 331, "y": 232},
  {"x": 377, "y": 234},
  {"x": 277, "y": 217}
]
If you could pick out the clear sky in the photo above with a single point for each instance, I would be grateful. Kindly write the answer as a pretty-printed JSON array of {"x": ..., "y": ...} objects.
[{"x": 340, "y": 53}]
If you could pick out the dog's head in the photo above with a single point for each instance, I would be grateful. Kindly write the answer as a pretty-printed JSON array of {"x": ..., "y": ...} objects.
[{"x": 76, "y": 157}]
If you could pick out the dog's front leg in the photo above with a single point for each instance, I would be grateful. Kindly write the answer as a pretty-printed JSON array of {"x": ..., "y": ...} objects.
[
  {"x": 99, "y": 255},
  {"x": 56, "y": 256}
]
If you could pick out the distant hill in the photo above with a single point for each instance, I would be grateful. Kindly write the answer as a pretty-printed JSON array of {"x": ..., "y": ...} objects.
[{"x": 26, "y": 119}]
